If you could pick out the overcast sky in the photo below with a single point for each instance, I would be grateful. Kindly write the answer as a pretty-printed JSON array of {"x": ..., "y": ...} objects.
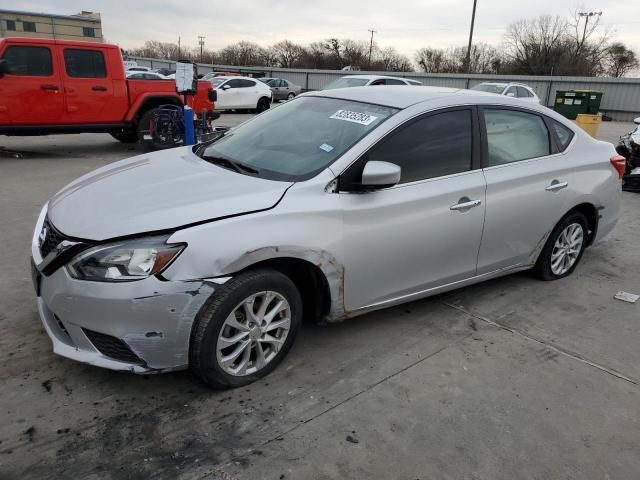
[{"x": 406, "y": 25}]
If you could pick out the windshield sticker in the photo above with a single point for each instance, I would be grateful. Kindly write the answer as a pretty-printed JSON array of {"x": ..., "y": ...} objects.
[
  {"x": 355, "y": 117},
  {"x": 326, "y": 147}
]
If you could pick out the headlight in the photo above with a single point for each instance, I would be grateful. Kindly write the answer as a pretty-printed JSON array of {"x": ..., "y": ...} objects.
[{"x": 124, "y": 261}]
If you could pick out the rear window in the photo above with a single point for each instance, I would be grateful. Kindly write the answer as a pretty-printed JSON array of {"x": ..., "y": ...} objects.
[
  {"x": 29, "y": 61},
  {"x": 346, "y": 82},
  {"x": 84, "y": 63}
]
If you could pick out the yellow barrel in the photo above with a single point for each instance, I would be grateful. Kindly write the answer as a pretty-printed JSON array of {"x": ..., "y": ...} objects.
[{"x": 589, "y": 123}]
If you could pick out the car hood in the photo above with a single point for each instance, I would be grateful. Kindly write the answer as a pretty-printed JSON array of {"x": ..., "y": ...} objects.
[{"x": 157, "y": 191}]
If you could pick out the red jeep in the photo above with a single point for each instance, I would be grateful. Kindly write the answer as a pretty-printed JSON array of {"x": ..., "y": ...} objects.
[{"x": 59, "y": 86}]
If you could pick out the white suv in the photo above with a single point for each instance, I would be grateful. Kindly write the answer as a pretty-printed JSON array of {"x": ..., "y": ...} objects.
[
  {"x": 515, "y": 90},
  {"x": 241, "y": 92}
]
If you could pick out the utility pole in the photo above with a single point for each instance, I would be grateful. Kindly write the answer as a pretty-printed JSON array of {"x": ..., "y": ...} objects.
[
  {"x": 473, "y": 20},
  {"x": 587, "y": 16},
  {"x": 178, "y": 47},
  {"x": 201, "y": 42},
  {"x": 371, "y": 44}
]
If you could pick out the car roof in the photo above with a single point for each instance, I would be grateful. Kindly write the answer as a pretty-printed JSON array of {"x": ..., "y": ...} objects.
[
  {"x": 505, "y": 84},
  {"x": 398, "y": 96},
  {"x": 372, "y": 77}
]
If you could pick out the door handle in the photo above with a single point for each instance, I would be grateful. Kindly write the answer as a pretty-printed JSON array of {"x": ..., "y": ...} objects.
[
  {"x": 556, "y": 185},
  {"x": 99, "y": 89},
  {"x": 50, "y": 88},
  {"x": 465, "y": 204}
]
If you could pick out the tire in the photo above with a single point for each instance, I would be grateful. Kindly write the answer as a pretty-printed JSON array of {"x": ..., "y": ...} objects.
[
  {"x": 127, "y": 136},
  {"x": 211, "y": 329},
  {"x": 263, "y": 104},
  {"x": 291, "y": 96},
  {"x": 153, "y": 143},
  {"x": 547, "y": 267}
]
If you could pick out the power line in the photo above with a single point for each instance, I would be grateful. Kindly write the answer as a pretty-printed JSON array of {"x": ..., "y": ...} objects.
[
  {"x": 371, "y": 44},
  {"x": 201, "y": 42}
]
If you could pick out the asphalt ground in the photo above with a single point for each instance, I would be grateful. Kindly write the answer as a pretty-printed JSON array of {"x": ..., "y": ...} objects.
[{"x": 513, "y": 378}]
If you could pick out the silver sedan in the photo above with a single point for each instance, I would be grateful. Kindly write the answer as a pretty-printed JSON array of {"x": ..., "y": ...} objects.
[
  {"x": 335, "y": 204},
  {"x": 282, "y": 89}
]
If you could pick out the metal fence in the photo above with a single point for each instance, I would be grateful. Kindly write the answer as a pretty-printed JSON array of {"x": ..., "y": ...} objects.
[{"x": 621, "y": 96}]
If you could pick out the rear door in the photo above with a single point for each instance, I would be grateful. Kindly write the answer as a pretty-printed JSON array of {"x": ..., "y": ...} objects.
[
  {"x": 31, "y": 93},
  {"x": 424, "y": 232},
  {"x": 88, "y": 90},
  {"x": 526, "y": 186}
]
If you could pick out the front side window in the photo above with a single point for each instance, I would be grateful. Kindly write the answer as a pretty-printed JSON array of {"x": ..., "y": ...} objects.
[
  {"x": 29, "y": 26},
  {"x": 299, "y": 139},
  {"x": 29, "y": 61},
  {"x": 433, "y": 146},
  {"x": 393, "y": 81},
  {"x": 247, "y": 83},
  {"x": 84, "y": 63},
  {"x": 513, "y": 135},
  {"x": 235, "y": 83}
]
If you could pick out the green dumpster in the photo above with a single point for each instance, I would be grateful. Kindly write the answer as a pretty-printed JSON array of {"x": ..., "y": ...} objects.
[{"x": 571, "y": 103}]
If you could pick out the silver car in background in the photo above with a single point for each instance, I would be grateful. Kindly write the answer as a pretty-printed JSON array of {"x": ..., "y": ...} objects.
[
  {"x": 514, "y": 90},
  {"x": 282, "y": 89},
  {"x": 349, "y": 81},
  {"x": 335, "y": 204}
]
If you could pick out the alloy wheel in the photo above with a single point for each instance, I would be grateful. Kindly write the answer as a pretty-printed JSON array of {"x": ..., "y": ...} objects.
[
  {"x": 567, "y": 248},
  {"x": 253, "y": 333}
]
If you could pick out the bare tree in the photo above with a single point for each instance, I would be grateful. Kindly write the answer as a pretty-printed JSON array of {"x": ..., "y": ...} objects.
[
  {"x": 287, "y": 54},
  {"x": 431, "y": 60},
  {"x": 392, "y": 61},
  {"x": 243, "y": 54},
  {"x": 620, "y": 60}
]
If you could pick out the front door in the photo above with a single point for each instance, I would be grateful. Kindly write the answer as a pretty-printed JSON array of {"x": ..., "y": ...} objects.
[
  {"x": 526, "y": 185},
  {"x": 424, "y": 232},
  {"x": 31, "y": 93}
]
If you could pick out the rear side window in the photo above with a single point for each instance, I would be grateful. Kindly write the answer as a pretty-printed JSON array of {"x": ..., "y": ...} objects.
[
  {"x": 523, "y": 92},
  {"x": 431, "y": 147},
  {"x": 84, "y": 63},
  {"x": 562, "y": 134},
  {"x": 513, "y": 136}
]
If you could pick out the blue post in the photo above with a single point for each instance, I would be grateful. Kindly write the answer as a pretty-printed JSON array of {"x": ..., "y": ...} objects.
[{"x": 188, "y": 126}]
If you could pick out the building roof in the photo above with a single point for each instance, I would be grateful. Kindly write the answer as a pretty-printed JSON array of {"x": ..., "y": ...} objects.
[{"x": 52, "y": 15}]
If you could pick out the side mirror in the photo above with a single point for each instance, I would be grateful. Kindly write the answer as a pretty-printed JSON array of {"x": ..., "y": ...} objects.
[
  {"x": 380, "y": 174},
  {"x": 511, "y": 94},
  {"x": 226, "y": 87},
  {"x": 635, "y": 120},
  {"x": 4, "y": 67}
]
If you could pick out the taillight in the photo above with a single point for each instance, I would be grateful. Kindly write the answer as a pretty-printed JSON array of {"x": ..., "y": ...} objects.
[{"x": 620, "y": 164}]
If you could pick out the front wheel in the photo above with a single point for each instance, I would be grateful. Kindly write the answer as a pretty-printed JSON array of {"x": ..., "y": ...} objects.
[
  {"x": 291, "y": 96},
  {"x": 263, "y": 104},
  {"x": 245, "y": 329},
  {"x": 564, "y": 248}
]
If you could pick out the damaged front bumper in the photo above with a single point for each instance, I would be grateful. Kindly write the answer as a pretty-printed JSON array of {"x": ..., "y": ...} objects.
[{"x": 141, "y": 327}]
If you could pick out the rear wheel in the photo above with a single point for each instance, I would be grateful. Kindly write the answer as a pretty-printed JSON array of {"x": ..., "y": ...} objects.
[
  {"x": 291, "y": 96},
  {"x": 263, "y": 104},
  {"x": 245, "y": 329},
  {"x": 167, "y": 135},
  {"x": 126, "y": 136},
  {"x": 564, "y": 248}
]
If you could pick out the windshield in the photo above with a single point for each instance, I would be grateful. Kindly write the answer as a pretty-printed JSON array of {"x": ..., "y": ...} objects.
[
  {"x": 489, "y": 87},
  {"x": 345, "y": 82},
  {"x": 299, "y": 139},
  {"x": 217, "y": 81},
  {"x": 268, "y": 81}
]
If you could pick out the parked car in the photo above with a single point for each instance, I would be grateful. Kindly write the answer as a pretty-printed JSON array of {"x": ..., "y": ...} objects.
[
  {"x": 211, "y": 75},
  {"x": 241, "y": 93},
  {"x": 60, "y": 86},
  {"x": 138, "y": 69},
  {"x": 332, "y": 205},
  {"x": 368, "y": 80},
  {"x": 514, "y": 90},
  {"x": 165, "y": 71},
  {"x": 281, "y": 89},
  {"x": 145, "y": 76},
  {"x": 629, "y": 148}
]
